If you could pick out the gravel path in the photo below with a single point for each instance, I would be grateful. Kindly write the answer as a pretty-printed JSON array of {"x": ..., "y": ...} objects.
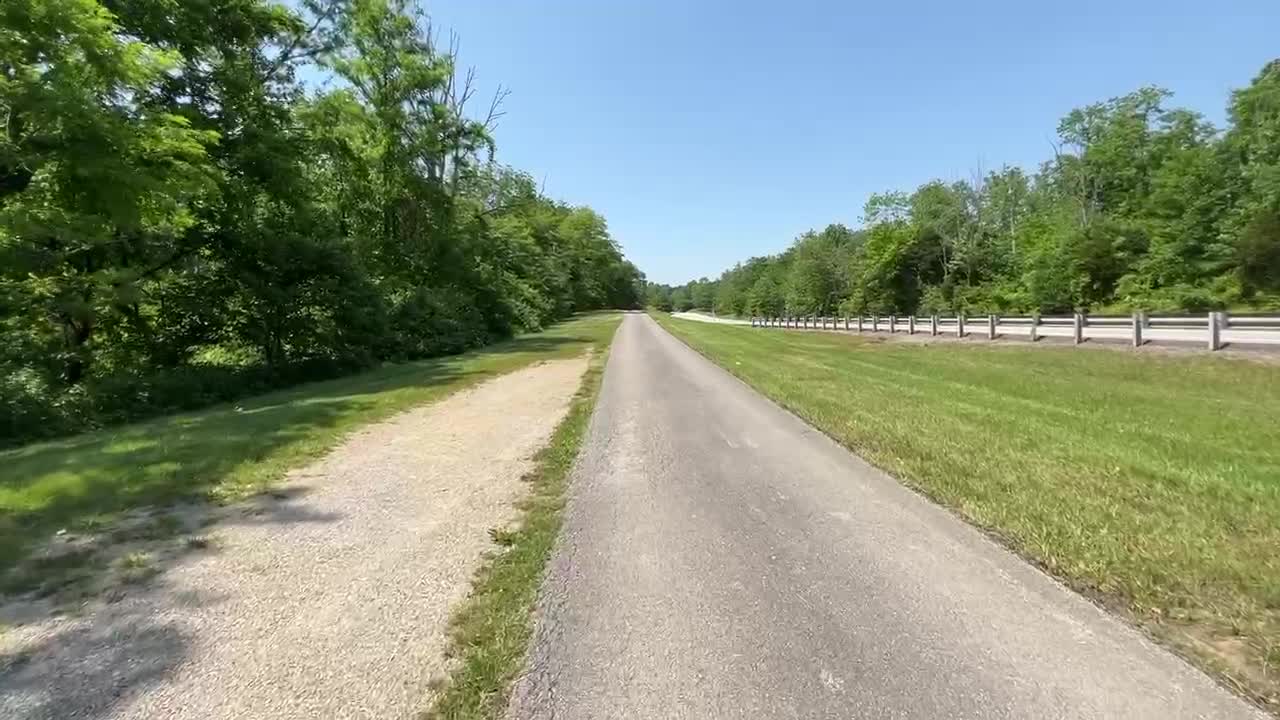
[{"x": 328, "y": 599}]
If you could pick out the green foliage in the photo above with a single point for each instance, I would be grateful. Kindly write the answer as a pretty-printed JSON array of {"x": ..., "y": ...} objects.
[
  {"x": 1142, "y": 206},
  {"x": 180, "y": 222}
]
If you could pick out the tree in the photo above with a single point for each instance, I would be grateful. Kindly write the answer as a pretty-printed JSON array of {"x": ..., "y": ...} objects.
[
  {"x": 1252, "y": 150},
  {"x": 181, "y": 223},
  {"x": 658, "y": 296},
  {"x": 1142, "y": 205},
  {"x": 98, "y": 188}
]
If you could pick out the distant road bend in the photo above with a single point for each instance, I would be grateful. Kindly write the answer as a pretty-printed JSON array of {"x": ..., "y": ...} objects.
[{"x": 721, "y": 559}]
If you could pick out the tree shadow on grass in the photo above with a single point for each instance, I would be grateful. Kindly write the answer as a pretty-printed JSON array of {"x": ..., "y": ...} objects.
[
  {"x": 83, "y": 485},
  {"x": 125, "y": 640}
]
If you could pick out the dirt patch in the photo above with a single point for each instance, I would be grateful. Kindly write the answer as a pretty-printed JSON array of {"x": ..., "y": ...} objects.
[{"x": 328, "y": 597}]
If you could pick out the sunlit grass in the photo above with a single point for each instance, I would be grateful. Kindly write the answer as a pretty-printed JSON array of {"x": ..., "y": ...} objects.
[
  {"x": 1150, "y": 481},
  {"x": 226, "y": 452}
]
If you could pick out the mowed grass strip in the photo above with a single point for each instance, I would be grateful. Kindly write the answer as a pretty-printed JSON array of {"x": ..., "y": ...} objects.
[
  {"x": 490, "y": 631},
  {"x": 1149, "y": 481},
  {"x": 85, "y": 483}
]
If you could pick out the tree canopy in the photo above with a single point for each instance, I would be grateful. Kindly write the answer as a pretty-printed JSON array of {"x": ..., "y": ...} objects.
[
  {"x": 1142, "y": 206},
  {"x": 183, "y": 221}
]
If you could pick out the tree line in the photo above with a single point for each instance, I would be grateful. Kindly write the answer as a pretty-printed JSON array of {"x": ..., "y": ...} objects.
[
  {"x": 1142, "y": 206},
  {"x": 182, "y": 220}
]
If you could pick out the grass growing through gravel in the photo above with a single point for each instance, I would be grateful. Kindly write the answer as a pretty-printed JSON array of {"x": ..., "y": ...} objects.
[
  {"x": 86, "y": 483},
  {"x": 490, "y": 632},
  {"x": 1149, "y": 481}
]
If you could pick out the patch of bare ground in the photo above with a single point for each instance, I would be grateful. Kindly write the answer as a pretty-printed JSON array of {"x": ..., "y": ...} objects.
[{"x": 328, "y": 597}]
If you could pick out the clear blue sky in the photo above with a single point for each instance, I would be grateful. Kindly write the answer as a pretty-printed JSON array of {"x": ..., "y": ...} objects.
[{"x": 708, "y": 132}]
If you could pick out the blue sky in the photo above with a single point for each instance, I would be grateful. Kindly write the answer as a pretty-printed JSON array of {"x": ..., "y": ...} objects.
[{"x": 708, "y": 132}]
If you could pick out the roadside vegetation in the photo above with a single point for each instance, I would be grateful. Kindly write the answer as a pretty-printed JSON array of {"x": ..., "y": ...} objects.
[
  {"x": 85, "y": 485},
  {"x": 1142, "y": 206},
  {"x": 1149, "y": 482},
  {"x": 490, "y": 632},
  {"x": 184, "y": 221}
]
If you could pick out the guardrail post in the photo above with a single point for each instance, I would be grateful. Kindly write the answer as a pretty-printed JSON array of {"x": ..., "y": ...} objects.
[
  {"x": 991, "y": 327},
  {"x": 1139, "y": 319},
  {"x": 875, "y": 323},
  {"x": 960, "y": 324},
  {"x": 911, "y": 324},
  {"x": 1216, "y": 321},
  {"x": 1035, "y": 326},
  {"x": 893, "y": 323},
  {"x": 933, "y": 325},
  {"x": 1077, "y": 328}
]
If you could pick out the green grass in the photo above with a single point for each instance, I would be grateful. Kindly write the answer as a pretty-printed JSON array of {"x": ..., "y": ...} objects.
[
  {"x": 86, "y": 483},
  {"x": 490, "y": 632},
  {"x": 1148, "y": 481}
]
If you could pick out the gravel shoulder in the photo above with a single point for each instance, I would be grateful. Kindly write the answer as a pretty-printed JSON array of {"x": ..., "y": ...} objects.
[{"x": 328, "y": 598}]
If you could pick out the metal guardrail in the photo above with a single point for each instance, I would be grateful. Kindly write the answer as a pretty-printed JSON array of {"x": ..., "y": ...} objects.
[{"x": 1214, "y": 329}]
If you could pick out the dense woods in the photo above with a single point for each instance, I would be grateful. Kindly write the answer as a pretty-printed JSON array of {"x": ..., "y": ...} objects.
[
  {"x": 183, "y": 220},
  {"x": 1142, "y": 206}
]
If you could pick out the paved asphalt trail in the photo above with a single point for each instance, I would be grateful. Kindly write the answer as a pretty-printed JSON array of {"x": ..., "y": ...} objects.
[{"x": 720, "y": 559}]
